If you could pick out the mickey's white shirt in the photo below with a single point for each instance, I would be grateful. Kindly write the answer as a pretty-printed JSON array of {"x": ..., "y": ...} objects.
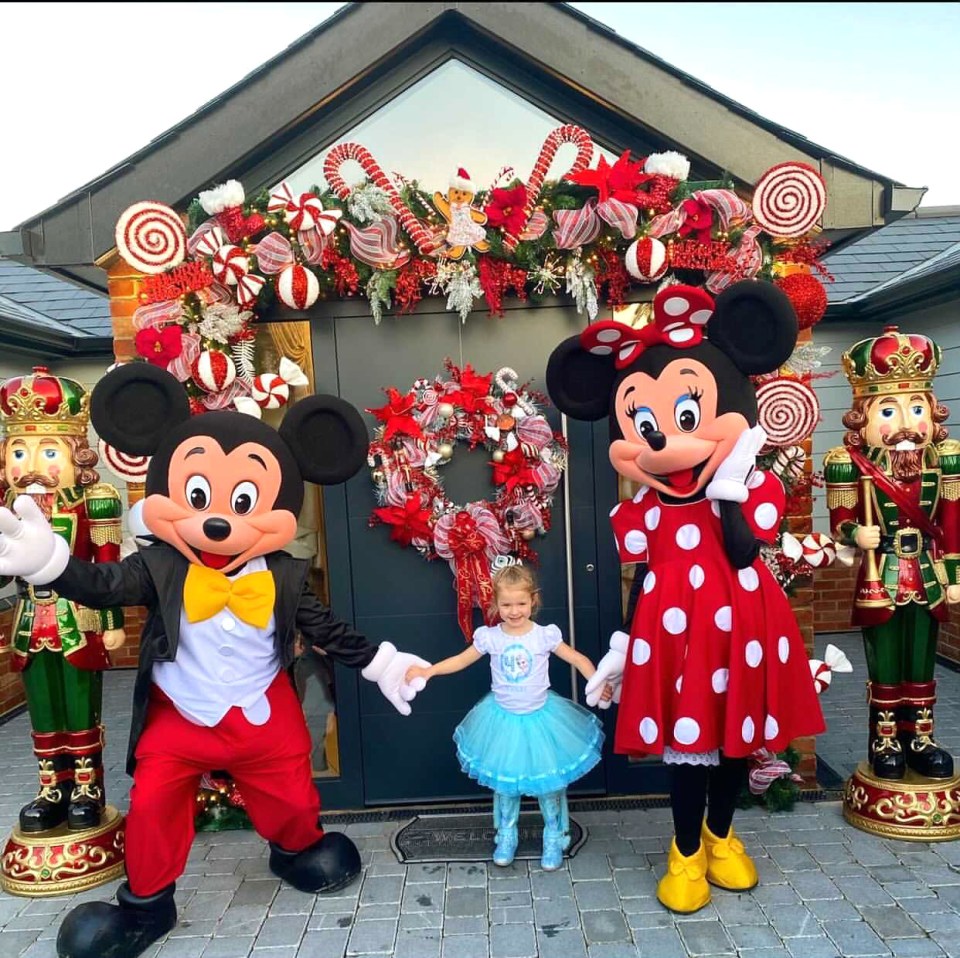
[{"x": 221, "y": 662}]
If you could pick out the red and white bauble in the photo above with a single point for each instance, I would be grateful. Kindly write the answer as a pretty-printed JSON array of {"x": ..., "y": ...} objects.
[
  {"x": 298, "y": 287},
  {"x": 213, "y": 371},
  {"x": 646, "y": 259},
  {"x": 229, "y": 264},
  {"x": 269, "y": 391}
]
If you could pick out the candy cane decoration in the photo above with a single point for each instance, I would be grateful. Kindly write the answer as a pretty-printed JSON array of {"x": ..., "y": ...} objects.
[
  {"x": 509, "y": 382},
  {"x": 422, "y": 238},
  {"x": 563, "y": 134}
]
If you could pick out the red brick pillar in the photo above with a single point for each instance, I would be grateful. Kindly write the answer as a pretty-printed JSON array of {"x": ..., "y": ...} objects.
[{"x": 123, "y": 285}]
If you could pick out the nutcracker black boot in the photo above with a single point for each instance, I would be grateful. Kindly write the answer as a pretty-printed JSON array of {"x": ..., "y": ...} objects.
[
  {"x": 87, "y": 799},
  {"x": 49, "y": 808},
  {"x": 323, "y": 867},
  {"x": 915, "y": 731},
  {"x": 97, "y": 929},
  {"x": 886, "y": 752}
]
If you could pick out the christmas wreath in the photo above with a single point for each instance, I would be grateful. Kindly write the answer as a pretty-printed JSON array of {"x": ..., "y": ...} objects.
[{"x": 417, "y": 435}]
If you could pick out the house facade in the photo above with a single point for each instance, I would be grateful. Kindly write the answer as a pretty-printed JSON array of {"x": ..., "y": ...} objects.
[{"x": 431, "y": 89}]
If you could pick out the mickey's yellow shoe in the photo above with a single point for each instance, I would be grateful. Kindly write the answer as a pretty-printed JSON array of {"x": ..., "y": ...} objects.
[
  {"x": 728, "y": 865},
  {"x": 684, "y": 888}
]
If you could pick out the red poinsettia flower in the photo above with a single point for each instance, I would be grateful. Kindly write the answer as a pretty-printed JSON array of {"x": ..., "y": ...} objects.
[
  {"x": 620, "y": 181},
  {"x": 159, "y": 346},
  {"x": 506, "y": 209},
  {"x": 699, "y": 220},
  {"x": 513, "y": 470},
  {"x": 473, "y": 392},
  {"x": 407, "y": 522},
  {"x": 398, "y": 415}
]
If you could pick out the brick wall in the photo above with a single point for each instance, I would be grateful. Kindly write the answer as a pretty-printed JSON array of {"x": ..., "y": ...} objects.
[
  {"x": 834, "y": 588},
  {"x": 11, "y": 688},
  {"x": 123, "y": 284}
]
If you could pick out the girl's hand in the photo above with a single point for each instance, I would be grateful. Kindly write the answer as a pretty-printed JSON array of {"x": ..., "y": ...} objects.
[
  {"x": 607, "y": 694},
  {"x": 416, "y": 672}
]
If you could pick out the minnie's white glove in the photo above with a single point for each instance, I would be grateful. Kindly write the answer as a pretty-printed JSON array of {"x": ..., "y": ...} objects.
[
  {"x": 388, "y": 669},
  {"x": 609, "y": 671},
  {"x": 729, "y": 482},
  {"x": 29, "y": 548}
]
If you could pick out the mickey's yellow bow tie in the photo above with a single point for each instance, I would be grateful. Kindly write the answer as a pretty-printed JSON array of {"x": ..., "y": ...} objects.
[{"x": 207, "y": 592}]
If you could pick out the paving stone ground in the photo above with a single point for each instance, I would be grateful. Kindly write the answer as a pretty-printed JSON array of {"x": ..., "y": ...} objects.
[{"x": 826, "y": 889}]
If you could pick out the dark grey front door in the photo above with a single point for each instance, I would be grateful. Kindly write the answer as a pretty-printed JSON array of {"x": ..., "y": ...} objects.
[{"x": 392, "y": 593}]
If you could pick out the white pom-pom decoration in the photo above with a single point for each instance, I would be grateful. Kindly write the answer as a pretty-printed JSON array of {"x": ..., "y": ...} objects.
[
  {"x": 298, "y": 287},
  {"x": 223, "y": 197},
  {"x": 229, "y": 264},
  {"x": 669, "y": 163},
  {"x": 213, "y": 371},
  {"x": 646, "y": 259},
  {"x": 269, "y": 391}
]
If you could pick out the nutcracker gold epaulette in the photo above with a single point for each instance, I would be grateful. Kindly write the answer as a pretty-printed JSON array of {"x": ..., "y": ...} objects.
[
  {"x": 949, "y": 452},
  {"x": 838, "y": 467},
  {"x": 103, "y": 502}
]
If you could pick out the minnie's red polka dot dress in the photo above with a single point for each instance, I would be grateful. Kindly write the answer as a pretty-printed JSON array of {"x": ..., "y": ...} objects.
[{"x": 715, "y": 659}]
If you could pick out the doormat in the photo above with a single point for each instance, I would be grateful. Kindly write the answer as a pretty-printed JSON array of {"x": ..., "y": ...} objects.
[{"x": 470, "y": 837}]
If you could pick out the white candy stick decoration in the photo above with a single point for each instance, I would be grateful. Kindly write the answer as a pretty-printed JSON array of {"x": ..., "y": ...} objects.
[{"x": 509, "y": 382}]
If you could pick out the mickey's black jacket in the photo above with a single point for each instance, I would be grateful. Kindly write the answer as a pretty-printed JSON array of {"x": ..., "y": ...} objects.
[{"x": 154, "y": 577}]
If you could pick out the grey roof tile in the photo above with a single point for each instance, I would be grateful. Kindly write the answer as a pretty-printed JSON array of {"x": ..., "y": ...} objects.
[{"x": 44, "y": 296}]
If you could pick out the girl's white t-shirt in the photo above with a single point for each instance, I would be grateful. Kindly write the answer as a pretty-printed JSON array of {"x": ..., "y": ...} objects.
[{"x": 519, "y": 664}]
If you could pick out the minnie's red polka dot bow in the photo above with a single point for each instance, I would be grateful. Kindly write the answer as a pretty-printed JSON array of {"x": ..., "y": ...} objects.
[{"x": 679, "y": 316}]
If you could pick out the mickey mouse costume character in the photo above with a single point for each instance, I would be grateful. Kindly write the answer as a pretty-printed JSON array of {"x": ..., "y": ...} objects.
[
  {"x": 223, "y": 491},
  {"x": 714, "y": 666}
]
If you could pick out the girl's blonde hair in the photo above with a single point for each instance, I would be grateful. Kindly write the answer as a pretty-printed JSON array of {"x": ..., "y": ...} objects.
[{"x": 516, "y": 577}]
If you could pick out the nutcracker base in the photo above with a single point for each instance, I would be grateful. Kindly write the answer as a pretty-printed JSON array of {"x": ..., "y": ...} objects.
[
  {"x": 63, "y": 861},
  {"x": 911, "y": 809}
]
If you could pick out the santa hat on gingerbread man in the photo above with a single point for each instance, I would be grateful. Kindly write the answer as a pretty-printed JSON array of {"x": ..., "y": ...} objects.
[{"x": 462, "y": 181}]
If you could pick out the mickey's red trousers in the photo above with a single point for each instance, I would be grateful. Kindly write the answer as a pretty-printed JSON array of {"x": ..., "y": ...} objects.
[{"x": 270, "y": 764}]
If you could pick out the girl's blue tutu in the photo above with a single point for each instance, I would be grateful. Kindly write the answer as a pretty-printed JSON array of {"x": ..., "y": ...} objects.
[{"x": 533, "y": 753}]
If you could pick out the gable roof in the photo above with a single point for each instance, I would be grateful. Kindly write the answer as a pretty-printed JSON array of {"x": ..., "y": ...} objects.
[
  {"x": 914, "y": 261},
  {"x": 47, "y": 316},
  {"x": 356, "y": 61}
]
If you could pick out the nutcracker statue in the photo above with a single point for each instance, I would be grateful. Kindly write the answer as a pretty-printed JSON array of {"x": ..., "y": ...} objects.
[
  {"x": 60, "y": 647},
  {"x": 893, "y": 490}
]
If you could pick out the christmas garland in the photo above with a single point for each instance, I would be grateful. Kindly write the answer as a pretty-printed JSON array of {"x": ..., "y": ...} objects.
[
  {"x": 417, "y": 435},
  {"x": 592, "y": 233}
]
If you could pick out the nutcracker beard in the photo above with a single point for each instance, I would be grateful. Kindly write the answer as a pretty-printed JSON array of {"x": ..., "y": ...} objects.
[
  {"x": 907, "y": 464},
  {"x": 31, "y": 483}
]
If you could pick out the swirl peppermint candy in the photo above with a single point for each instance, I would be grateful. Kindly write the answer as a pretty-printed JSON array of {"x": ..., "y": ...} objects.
[
  {"x": 151, "y": 237},
  {"x": 788, "y": 410},
  {"x": 789, "y": 199}
]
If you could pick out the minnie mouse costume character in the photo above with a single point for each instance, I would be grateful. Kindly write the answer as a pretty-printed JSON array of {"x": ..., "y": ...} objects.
[
  {"x": 714, "y": 666},
  {"x": 223, "y": 491}
]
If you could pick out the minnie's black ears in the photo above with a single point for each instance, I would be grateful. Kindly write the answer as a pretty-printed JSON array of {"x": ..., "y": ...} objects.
[
  {"x": 134, "y": 407},
  {"x": 328, "y": 438},
  {"x": 580, "y": 383},
  {"x": 755, "y": 325}
]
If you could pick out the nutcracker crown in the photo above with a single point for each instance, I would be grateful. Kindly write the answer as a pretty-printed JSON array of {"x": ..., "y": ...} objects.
[
  {"x": 893, "y": 362},
  {"x": 41, "y": 404}
]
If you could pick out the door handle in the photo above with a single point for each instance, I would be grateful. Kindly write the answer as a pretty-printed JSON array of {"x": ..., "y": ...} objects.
[{"x": 590, "y": 567}]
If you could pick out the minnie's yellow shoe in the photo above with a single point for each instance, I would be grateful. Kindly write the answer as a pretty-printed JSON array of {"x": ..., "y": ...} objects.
[
  {"x": 728, "y": 865},
  {"x": 684, "y": 888}
]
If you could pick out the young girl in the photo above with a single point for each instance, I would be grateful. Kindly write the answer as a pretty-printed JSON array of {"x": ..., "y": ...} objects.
[{"x": 523, "y": 739}]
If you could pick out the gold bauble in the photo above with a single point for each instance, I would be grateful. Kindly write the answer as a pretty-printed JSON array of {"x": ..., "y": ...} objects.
[
  {"x": 446, "y": 410},
  {"x": 498, "y": 455},
  {"x": 377, "y": 476},
  {"x": 446, "y": 450},
  {"x": 527, "y": 534}
]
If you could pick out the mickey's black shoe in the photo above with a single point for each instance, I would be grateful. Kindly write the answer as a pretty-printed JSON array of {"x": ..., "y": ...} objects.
[{"x": 323, "y": 867}]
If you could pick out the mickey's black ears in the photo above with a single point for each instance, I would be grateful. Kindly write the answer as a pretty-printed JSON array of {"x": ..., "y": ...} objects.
[
  {"x": 328, "y": 438},
  {"x": 755, "y": 325},
  {"x": 580, "y": 383},
  {"x": 134, "y": 407}
]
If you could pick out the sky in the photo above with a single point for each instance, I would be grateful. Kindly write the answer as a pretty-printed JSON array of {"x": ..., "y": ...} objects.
[{"x": 86, "y": 86}]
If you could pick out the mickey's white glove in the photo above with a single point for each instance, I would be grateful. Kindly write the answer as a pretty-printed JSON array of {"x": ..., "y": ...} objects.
[
  {"x": 388, "y": 669},
  {"x": 609, "y": 670},
  {"x": 729, "y": 482},
  {"x": 29, "y": 548}
]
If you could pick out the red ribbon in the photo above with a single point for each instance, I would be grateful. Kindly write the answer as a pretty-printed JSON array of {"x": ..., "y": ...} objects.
[{"x": 472, "y": 574}]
